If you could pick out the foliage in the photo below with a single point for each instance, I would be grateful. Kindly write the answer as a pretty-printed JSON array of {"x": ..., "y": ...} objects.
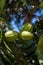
[{"x": 14, "y": 14}]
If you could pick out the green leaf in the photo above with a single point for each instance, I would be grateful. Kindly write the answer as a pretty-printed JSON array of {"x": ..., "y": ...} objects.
[
  {"x": 1, "y": 63},
  {"x": 39, "y": 50},
  {"x": 2, "y": 4},
  {"x": 0, "y": 35},
  {"x": 7, "y": 47},
  {"x": 41, "y": 4},
  {"x": 25, "y": 2}
]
